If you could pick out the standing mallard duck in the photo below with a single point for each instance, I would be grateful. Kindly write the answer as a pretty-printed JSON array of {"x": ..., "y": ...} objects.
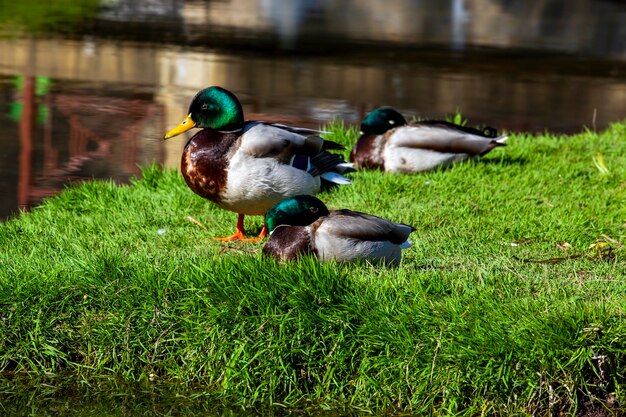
[
  {"x": 388, "y": 143},
  {"x": 303, "y": 225},
  {"x": 249, "y": 166}
]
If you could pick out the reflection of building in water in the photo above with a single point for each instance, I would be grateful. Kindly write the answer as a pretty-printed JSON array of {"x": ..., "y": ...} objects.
[
  {"x": 579, "y": 26},
  {"x": 84, "y": 136},
  {"x": 592, "y": 27},
  {"x": 101, "y": 128},
  {"x": 92, "y": 127},
  {"x": 68, "y": 133}
]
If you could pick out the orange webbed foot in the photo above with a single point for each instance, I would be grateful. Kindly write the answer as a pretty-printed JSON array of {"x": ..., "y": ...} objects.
[
  {"x": 240, "y": 234},
  {"x": 237, "y": 236}
]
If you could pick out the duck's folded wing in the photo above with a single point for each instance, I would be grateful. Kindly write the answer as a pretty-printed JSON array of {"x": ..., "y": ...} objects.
[
  {"x": 267, "y": 140},
  {"x": 327, "y": 145},
  {"x": 362, "y": 226},
  {"x": 442, "y": 138},
  {"x": 487, "y": 132},
  {"x": 295, "y": 129}
]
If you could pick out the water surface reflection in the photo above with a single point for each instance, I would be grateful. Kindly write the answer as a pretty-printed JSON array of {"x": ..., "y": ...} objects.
[
  {"x": 69, "y": 132},
  {"x": 55, "y": 395},
  {"x": 583, "y": 27}
]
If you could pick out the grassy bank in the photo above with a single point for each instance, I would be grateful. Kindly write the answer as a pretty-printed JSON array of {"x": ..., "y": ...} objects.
[{"x": 512, "y": 299}]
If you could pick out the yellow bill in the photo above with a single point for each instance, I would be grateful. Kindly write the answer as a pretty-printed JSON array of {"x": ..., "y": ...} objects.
[{"x": 184, "y": 126}]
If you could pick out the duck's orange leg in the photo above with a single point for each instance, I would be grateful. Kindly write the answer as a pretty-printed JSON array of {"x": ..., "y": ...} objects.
[
  {"x": 263, "y": 232},
  {"x": 240, "y": 234}
]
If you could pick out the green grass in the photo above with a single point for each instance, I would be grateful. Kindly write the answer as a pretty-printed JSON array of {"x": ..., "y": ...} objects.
[{"x": 511, "y": 301}]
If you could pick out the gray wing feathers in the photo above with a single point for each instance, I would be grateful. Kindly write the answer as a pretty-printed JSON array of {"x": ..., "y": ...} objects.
[
  {"x": 299, "y": 130},
  {"x": 442, "y": 139},
  {"x": 357, "y": 225},
  {"x": 263, "y": 140}
]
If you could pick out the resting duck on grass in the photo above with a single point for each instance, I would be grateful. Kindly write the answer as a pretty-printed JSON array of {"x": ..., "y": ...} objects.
[
  {"x": 249, "y": 166},
  {"x": 303, "y": 225},
  {"x": 388, "y": 143}
]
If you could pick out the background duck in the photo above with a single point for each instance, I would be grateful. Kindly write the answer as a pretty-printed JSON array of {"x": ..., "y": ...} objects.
[
  {"x": 388, "y": 143},
  {"x": 303, "y": 225},
  {"x": 249, "y": 166}
]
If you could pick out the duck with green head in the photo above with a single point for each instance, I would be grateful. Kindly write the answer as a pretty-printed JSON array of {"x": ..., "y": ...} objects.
[
  {"x": 391, "y": 144},
  {"x": 249, "y": 166},
  {"x": 303, "y": 225}
]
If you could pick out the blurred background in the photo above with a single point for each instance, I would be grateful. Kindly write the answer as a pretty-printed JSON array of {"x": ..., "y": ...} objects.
[{"x": 88, "y": 87}]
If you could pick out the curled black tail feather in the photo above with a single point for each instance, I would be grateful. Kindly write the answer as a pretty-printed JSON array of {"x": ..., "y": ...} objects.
[
  {"x": 325, "y": 162},
  {"x": 330, "y": 145},
  {"x": 487, "y": 132}
]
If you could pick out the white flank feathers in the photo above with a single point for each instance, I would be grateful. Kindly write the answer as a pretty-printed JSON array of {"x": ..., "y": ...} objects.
[
  {"x": 335, "y": 178},
  {"x": 501, "y": 139}
]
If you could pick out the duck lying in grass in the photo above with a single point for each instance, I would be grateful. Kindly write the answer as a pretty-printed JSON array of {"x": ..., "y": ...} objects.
[
  {"x": 303, "y": 225},
  {"x": 391, "y": 144},
  {"x": 249, "y": 166}
]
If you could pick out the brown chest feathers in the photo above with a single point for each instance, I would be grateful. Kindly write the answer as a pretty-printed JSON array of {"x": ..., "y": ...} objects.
[
  {"x": 288, "y": 243},
  {"x": 205, "y": 160},
  {"x": 367, "y": 152}
]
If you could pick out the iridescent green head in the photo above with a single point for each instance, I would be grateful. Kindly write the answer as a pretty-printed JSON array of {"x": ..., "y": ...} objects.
[
  {"x": 216, "y": 108},
  {"x": 301, "y": 210},
  {"x": 213, "y": 108},
  {"x": 381, "y": 120}
]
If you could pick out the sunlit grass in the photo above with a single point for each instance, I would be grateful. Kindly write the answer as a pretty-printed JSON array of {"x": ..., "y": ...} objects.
[{"x": 510, "y": 301}]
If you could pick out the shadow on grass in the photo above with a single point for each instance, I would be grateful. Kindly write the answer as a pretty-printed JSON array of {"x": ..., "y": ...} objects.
[
  {"x": 423, "y": 266},
  {"x": 504, "y": 160}
]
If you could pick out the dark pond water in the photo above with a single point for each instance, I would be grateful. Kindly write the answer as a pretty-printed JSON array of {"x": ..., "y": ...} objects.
[
  {"x": 95, "y": 101},
  {"x": 54, "y": 397}
]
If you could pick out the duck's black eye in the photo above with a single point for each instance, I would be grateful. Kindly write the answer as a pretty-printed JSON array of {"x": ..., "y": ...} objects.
[
  {"x": 314, "y": 209},
  {"x": 490, "y": 132},
  {"x": 204, "y": 106}
]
